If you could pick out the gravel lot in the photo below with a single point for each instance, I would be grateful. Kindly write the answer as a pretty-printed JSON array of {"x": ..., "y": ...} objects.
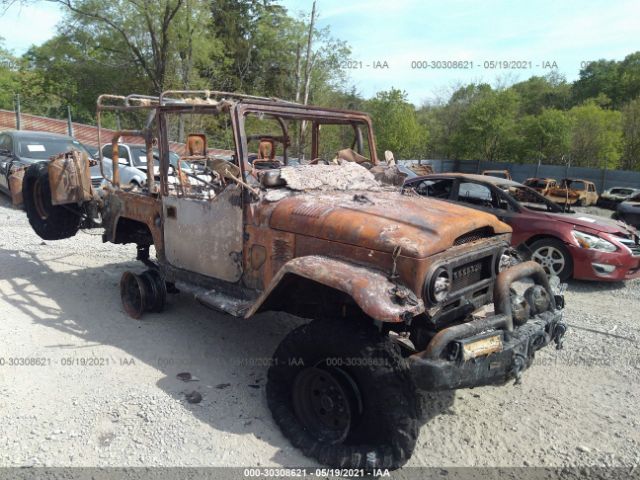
[{"x": 107, "y": 394}]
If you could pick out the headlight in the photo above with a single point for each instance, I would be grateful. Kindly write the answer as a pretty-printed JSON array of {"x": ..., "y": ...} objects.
[
  {"x": 593, "y": 242},
  {"x": 440, "y": 285},
  {"x": 504, "y": 261}
]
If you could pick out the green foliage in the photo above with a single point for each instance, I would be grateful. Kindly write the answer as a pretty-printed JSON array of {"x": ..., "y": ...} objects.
[
  {"x": 545, "y": 137},
  {"x": 537, "y": 93},
  {"x": 488, "y": 127},
  {"x": 631, "y": 135},
  {"x": 619, "y": 81},
  {"x": 544, "y": 119},
  {"x": 596, "y": 136},
  {"x": 396, "y": 125},
  {"x": 9, "y": 81},
  {"x": 257, "y": 47}
]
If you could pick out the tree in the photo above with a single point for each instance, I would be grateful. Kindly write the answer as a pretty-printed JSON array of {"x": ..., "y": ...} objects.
[
  {"x": 596, "y": 136},
  {"x": 9, "y": 81},
  {"x": 619, "y": 81},
  {"x": 630, "y": 78},
  {"x": 545, "y": 137},
  {"x": 631, "y": 135},
  {"x": 396, "y": 125},
  {"x": 537, "y": 93},
  {"x": 444, "y": 120},
  {"x": 488, "y": 126},
  {"x": 144, "y": 30}
]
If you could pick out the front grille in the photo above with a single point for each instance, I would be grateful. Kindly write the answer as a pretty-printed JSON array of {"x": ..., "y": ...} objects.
[
  {"x": 471, "y": 273},
  {"x": 631, "y": 243},
  {"x": 474, "y": 235}
]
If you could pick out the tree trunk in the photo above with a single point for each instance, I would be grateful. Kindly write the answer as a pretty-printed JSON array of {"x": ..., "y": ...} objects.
[{"x": 307, "y": 78}]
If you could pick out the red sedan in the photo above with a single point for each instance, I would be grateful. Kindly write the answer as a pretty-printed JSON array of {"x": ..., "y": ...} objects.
[{"x": 566, "y": 244}]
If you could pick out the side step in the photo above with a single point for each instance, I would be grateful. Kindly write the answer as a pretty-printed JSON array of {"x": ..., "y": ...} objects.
[{"x": 216, "y": 299}]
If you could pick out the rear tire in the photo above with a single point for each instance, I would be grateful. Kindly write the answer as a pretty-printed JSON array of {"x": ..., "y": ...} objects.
[
  {"x": 50, "y": 222},
  {"x": 342, "y": 393},
  {"x": 554, "y": 257}
]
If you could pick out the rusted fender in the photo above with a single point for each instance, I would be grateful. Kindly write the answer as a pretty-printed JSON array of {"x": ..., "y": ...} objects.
[
  {"x": 379, "y": 297},
  {"x": 15, "y": 186}
]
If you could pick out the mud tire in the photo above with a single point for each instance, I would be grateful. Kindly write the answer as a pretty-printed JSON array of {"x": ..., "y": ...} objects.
[
  {"x": 50, "y": 222},
  {"x": 383, "y": 434}
]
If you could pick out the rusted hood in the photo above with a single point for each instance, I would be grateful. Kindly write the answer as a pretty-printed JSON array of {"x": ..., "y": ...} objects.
[{"x": 381, "y": 220}]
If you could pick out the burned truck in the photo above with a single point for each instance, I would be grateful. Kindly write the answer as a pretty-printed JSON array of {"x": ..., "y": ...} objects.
[{"x": 402, "y": 293}]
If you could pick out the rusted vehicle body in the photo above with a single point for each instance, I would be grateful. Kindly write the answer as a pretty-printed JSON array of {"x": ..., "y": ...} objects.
[
  {"x": 572, "y": 191},
  {"x": 541, "y": 185},
  {"x": 398, "y": 287},
  {"x": 422, "y": 168}
]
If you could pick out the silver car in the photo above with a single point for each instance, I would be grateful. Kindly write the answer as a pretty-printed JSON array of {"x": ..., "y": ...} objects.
[
  {"x": 133, "y": 164},
  {"x": 614, "y": 196}
]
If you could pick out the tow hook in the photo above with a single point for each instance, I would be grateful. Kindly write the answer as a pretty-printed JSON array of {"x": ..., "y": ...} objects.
[
  {"x": 517, "y": 368},
  {"x": 558, "y": 333}
]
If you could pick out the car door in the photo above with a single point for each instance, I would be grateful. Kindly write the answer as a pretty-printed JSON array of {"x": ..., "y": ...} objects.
[
  {"x": 593, "y": 194},
  {"x": 485, "y": 198},
  {"x": 6, "y": 155},
  {"x": 440, "y": 188}
]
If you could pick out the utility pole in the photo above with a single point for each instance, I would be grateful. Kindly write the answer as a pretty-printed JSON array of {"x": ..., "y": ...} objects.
[
  {"x": 17, "y": 109},
  {"x": 69, "y": 122}
]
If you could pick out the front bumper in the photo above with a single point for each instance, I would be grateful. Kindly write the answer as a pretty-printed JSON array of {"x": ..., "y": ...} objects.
[
  {"x": 586, "y": 262},
  {"x": 519, "y": 347},
  {"x": 492, "y": 350}
]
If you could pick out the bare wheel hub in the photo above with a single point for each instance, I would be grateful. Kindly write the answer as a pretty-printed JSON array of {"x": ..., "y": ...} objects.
[{"x": 326, "y": 402}]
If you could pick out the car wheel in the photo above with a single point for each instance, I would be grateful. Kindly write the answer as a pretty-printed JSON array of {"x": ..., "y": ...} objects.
[
  {"x": 343, "y": 394},
  {"x": 553, "y": 256},
  {"x": 50, "y": 222}
]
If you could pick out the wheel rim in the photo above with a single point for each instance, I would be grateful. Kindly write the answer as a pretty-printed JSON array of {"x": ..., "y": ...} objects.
[
  {"x": 551, "y": 259},
  {"x": 325, "y": 401},
  {"x": 38, "y": 200},
  {"x": 134, "y": 294}
]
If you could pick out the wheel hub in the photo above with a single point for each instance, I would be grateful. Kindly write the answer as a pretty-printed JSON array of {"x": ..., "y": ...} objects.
[
  {"x": 323, "y": 401},
  {"x": 551, "y": 259}
]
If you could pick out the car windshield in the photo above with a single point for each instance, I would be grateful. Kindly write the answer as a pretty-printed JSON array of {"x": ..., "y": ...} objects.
[
  {"x": 621, "y": 191},
  {"x": 44, "y": 148},
  {"x": 573, "y": 185},
  {"x": 530, "y": 199},
  {"x": 536, "y": 183},
  {"x": 140, "y": 159}
]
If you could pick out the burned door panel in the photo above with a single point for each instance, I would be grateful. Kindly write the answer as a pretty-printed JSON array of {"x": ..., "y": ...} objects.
[{"x": 205, "y": 236}]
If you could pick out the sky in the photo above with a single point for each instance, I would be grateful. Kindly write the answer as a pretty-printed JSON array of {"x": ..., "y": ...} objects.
[{"x": 393, "y": 42}]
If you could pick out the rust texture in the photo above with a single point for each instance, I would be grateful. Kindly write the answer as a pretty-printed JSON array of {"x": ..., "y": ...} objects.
[
  {"x": 15, "y": 185},
  {"x": 371, "y": 290},
  {"x": 333, "y": 224},
  {"x": 69, "y": 178}
]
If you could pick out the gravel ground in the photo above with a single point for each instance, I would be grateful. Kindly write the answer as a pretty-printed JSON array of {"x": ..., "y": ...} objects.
[{"x": 107, "y": 394}]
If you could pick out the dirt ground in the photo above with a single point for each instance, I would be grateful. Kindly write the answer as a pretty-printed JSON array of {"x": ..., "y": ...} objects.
[{"x": 82, "y": 384}]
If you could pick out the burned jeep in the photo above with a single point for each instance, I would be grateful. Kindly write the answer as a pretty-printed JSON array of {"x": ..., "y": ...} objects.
[{"x": 398, "y": 288}]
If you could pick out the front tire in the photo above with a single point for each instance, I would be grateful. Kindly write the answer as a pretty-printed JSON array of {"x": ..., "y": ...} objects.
[
  {"x": 553, "y": 256},
  {"x": 50, "y": 222},
  {"x": 342, "y": 393}
]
